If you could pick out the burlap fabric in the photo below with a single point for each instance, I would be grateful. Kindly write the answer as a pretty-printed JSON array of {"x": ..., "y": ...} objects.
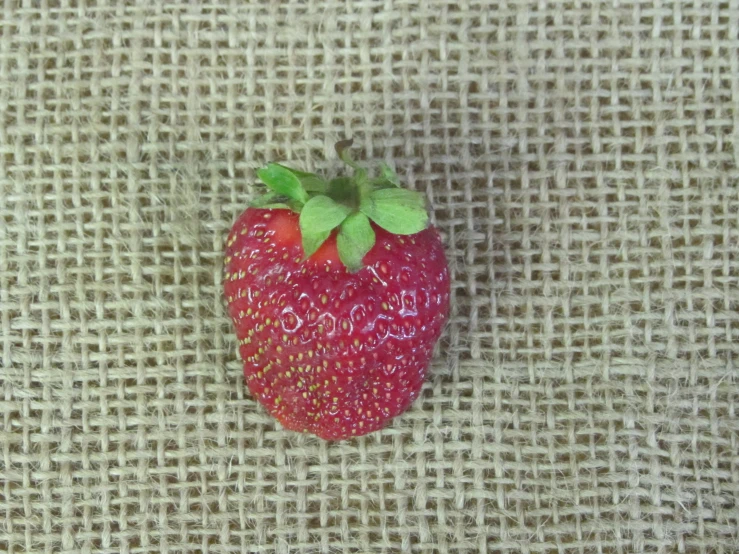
[{"x": 582, "y": 161}]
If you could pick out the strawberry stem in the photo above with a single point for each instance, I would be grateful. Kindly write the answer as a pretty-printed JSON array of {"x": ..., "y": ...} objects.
[
  {"x": 356, "y": 185},
  {"x": 342, "y": 149}
]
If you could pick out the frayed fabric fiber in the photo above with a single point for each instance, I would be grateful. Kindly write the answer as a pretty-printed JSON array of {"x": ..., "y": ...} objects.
[{"x": 581, "y": 161}]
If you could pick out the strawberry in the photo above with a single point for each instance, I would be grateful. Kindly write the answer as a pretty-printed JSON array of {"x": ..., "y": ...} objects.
[{"x": 338, "y": 291}]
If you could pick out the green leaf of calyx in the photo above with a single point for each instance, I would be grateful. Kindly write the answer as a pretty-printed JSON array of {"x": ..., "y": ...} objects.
[
  {"x": 389, "y": 175},
  {"x": 319, "y": 217},
  {"x": 387, "y": 178},
  {"x": 310, "y": 181},
  {"x": 274, "y": 201},
  {"x": 283, "y": 181},
  {"x": 356, "y": 237},
  {"x": 269, "y": 200},
  {"x": 399, "y": 211}
]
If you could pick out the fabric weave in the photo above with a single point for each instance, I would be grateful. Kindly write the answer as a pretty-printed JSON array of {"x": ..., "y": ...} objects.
[{"x": 582, "y": 161}]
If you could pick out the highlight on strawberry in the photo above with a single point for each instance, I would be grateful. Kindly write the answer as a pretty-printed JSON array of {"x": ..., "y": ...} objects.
[{"x": 338, "y": 290}]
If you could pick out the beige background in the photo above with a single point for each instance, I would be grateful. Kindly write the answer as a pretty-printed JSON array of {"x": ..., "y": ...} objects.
[{"x": 582, "y": 161}]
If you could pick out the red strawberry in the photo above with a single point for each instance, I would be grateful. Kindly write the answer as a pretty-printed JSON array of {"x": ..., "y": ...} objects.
[{"x": 336, "y": 343}]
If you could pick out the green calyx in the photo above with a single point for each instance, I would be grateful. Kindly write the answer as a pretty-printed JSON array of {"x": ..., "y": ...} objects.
[{"x": 347, "y": 203}]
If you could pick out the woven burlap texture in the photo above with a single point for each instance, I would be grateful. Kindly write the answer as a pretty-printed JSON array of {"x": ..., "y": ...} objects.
[{"x": 582, "y": 164}]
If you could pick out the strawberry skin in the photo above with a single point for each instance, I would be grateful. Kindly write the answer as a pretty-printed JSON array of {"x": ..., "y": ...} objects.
[{"x": 329, "y": 351}]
